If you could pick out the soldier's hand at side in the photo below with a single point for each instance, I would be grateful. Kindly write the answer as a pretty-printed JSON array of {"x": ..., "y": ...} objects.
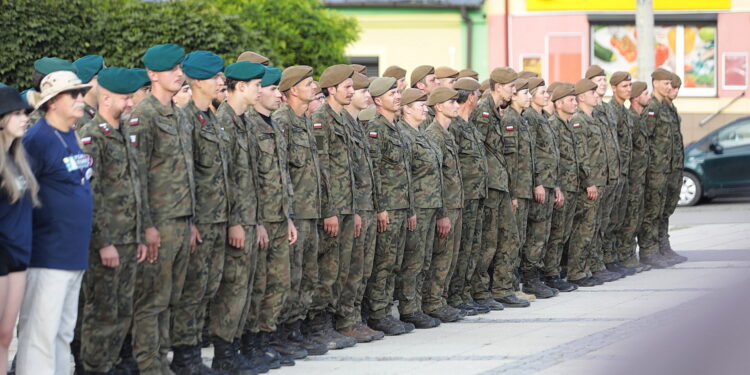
[
  {"x": 263, "y": 237},
  {"x": 110, "y": 257},
  {"x": 592, "y": 193},
  {"x": 331, "y": 226},
  {"x": 514, "y": 204},
  {"x": 383, "y": 221},
  {"x": 236, "y": 236},
  {"x": 559, "y": 198},
  {"x": 357, "y": 225},
  {"x": 195, "y": 238},
  {"x": 292, "y": 232},
  {"x": 411, "y": 223},
  {"x": 142, "y": 252},
  {"x": 153, "y": 241},
  {"x": 539, "y": 194},
  {"x": 443, "y": 226}
]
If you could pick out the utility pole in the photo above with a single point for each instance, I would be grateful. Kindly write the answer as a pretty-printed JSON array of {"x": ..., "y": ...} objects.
[{"x": 644, "y": 26}]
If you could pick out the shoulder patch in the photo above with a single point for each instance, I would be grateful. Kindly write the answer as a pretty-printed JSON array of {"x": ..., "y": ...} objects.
[
  {"x": 372, "y": 134},
  {"x": 104, "y": 127},
  {"x": 134, "y": 121},
  {"x": 86, "y": 140},
  {"x": 134, "y": 140}
]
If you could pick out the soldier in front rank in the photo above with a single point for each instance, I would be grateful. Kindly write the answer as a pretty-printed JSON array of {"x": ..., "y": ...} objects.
[
  {"x": 87, "y": 69},
  {"x": 389, "y": 151},
  {"x": 592, "y": 177},
  {"x": 658, "y": 119},
  {"x": 161, "y": 134},
  {"x": 228, "y": 307},
  {"x": 272, "y": 272},
  {"x": 569, "y": 176},
  {"x": 639, "y": 98},
  {"x": 424, "y": 78},
  {"x": 546, "y": 191},
  {"x": 117, "y": 244},
  {"x": 675, "y": 176},
  {"x": 427, "y": 180},
  {"x": 446, "y": 76},
  {"x": 364, "y": 178},
  {"x": 398, "y": 73}
]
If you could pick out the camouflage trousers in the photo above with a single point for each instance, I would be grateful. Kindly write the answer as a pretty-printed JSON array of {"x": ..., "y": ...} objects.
[
  {"x": 205, "y": 267},
  {"x": 416, "y": 263},
  {"x": 228, "y": 307},
  {"x": 633, "y": 200},
  {"x": 501, "y": 237},
  {"x": 158, "y": 287},
  {"x": 108, "y": 310},
  {"x": 606, "y": 200},
  {"x": 672, "y": 196},
  {"x": 349, "y": 282},
  {"x": 537, "y": 233},
  {"x": 365, "y": 244},
  {"x": 272, "y": 281},
  {"x": 303, "y": 271},
  {"x": 616, "y": 214},
  {"x": 654, "y": 197},
  {"x": 585, "y": 227},
  {"x": 389, "y": 252},
  {"x": 443, "y": 264},
  {"x": 469, "y": 252},
  {"x": 561, "y": 228},
  {"x": 334, "y": 260}
]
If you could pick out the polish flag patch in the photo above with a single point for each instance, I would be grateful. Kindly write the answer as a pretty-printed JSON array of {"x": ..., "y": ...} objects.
[
  {"x": 485, "y": 114},
  {"x": 372, "y": 134},
  {"x": 651, "y": 114},
  {"x": 576, "y": 125},
  {"x": 86, "y": 140},
  {"x": 317, "y": 125},
  {"x": 103, "y": 126},
  {"x": 202, "y": 119},
  {"x": 133, "y": 140},
  {"x": 134, "y": 121},
  {"x": 509, "y": 128}
]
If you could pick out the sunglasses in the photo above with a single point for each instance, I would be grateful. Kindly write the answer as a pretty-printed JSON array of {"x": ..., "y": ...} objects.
[{"x": 74, "y": 93}]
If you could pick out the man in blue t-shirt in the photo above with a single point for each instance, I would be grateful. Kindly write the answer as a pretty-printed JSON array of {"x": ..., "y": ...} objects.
[{"x": 61, "y": 228}]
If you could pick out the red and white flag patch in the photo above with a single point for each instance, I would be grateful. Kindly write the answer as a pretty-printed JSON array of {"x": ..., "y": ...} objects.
[
  {"x": 651, "y": 114},
  {"x": 202, "y": 119},
  {"x": 485, "y": 114},
  {"x": 86, "y": 140},
  {"x": 103, "y": 126},
  {"x": 317, "y": 125},
  {"x": 134, "y": 121},
  {"x": 133, "y": 140},
  {"x": 372, "y": 134},
  {"x": 509, "y": 128},
  {"x": 576, "y": 125}
]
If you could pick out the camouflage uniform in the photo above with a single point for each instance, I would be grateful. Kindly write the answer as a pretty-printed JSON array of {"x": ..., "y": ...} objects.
[
  {"x": 304, "y": 173},
  {"x": 206, "y": 265},
  {"x": 272, "y": 273},
  {"x": 546, "y": 163},
  {"x": 674, "y": 180},
  {"x": 427, "y": 182},
  {"x": 635, "y": 193},
  {"x": 439, "y": 274},
  {"x": 161, "y": 136},
  {"x": 389, "y": 151},
  {"x": 108, "y": 310},
  {"x": 227, "y": 309},
  {"x": 624, "y": 127},
  {"x": 89, "y": 113},
  {"x": 592, "y": 172},
  {"x": 338, "y": 190},
  {"x": 602, "y": 241},
  {"x": 561, "y": 228}
]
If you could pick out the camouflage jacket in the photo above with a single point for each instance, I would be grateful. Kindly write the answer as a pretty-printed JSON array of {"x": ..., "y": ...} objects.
[
  {"x": 607, "y": 121},
  {"x": 304, "y": 166},
  {"x": 88, "y": 114},
  {"x": 211, "y": 160},
  {"x": 274, "y": 184},
  {"x": 243, "y": 167},
  {"x": 390, "y": 152},
  {"x": 640, "y": 153},
  {"x": 487, "y": 120},
  {"x": 569, "y": 149},
  {"x": 518, "y": 148},
  {"x": 658, "y": 119},
  {"x": 593, "y": 158},
  {"x": 364, "y": 177},
  {"x": 678, "y": 147},
  {"x": 426, "y": 161},
  {"x": 115, "y": 184},
  {"x": 334, "y": 143},
  {"x": 161, "y": 135},
  {"x": 546, "y": 149},
  {"x": 453, "y": 190},
  {"x": 473, "y": 159},
  {"x": 625, "y": 128}
]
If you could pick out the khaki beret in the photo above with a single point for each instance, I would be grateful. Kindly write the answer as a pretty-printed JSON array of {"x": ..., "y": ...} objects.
[
  {"x": 676, "y": 81},
  {"x": 368, "y": 113},
  {"x": 294, "y": 75},
  {"x": 503, "y": 75},
  {"x": 594, "y": 71},
  {"x": 527, "y": 74},
  {"x": 522, "y": 84},
  {"x": 584, "y": 85},
  {"x": 420, "y": 72},
  {"x": 638, "y": 89},
  {"x": 440, "y": 95},
  {"x": 446, "y": 72},
  {"x": 535, "y": 82},
  {"x": 359, "y": 68},
  {"x": 466, "y": 83},
  {"x": 618, "y": 77},
  {"x": 370, "y": 79},
  {"x": 562, "y": 90},
  {"x": 395, "y": 71},
  {"x": 661, "y": 74},
  {"x": 333, "y": 75},
  {"x": 484, "y": 85},
  {"x": 412, "y": 95},
  {"x": 381, "y": 86},
  {"x": 552, "y": 86},
  {"x": 360, "y": 81},
  {"x": 468, "y": 73},
  {"x": 253, "y": 57}
]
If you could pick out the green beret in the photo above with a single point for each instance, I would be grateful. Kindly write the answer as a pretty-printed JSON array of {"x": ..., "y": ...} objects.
[
  {"x": 88, "y": 67},
  {"x": 469, "y": 73},
  {"x": 293, "y": 75},
  {"x": 594, "y": 71},
  {"x": 562, "y": 90},
  {"x": 661, "y": 74},
  {"x": 638, "y": 89},
  {"x": 440, "y": 95},
  {"x": 535, "y": 82},
  {"x": 120, "y": 80},
  {"x": 271, "y": 77},
  {"x": 333, "y": 75},
  {"x": 202, "y": 65},
  {"x": 503, "y": 75},
  {"x": 47, "y": 65},
  {"x": 466, "y": 83},
  {"x": 163, "y": 57},
  {"x": 527, "y": 74},
  {"x": 412, "y": 95},
  {"x": 142, "y": 76},
  {"x": 360, "y": 81},
  {"x": 245, "y": 71},
  {"x": 618, "y": 77},
  {"x": 584, "y": 85},
  {"x": 420, "y": 72},
  {"x": 395, "y": 71},
  {"x": 381, "y": 86}
]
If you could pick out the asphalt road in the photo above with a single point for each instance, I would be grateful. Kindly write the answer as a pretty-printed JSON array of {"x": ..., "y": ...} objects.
[{"x": 718, "y": 211}]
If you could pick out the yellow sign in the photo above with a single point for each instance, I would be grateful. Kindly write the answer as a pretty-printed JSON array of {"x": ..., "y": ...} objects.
[{"x": 584, "y": 5}]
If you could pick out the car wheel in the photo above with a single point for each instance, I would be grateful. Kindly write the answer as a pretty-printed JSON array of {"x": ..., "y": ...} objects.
[{"x": 691, "y": 190}]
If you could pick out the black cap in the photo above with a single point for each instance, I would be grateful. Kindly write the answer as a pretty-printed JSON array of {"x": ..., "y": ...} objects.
[{"x": 10, "y": 100}]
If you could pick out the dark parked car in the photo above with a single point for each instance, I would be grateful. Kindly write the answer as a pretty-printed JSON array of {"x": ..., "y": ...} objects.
[{"x": 718, "y": 164}]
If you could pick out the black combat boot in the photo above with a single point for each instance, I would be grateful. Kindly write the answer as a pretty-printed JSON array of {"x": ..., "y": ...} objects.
[
  {"x": 654, "y": 260},
  {"x": 270, "y": 353},
  {"x": 254, "y": 355},
  {"x": 447, "y": 314},
  {"x": 420, "y": 320},
  {"x": 532, "y": 285},
  {"x": 585, "y": 282},
  {"x": 559, "y": 284},
  {"x": 127, "y": 364},
  {"x": 227, "y": 359},
  {"x": 607, "y": 276},
  {"x": 490, "y": 304},
  {"x": 321, "y": 330},
  {"x": 295, "y": 335},
  {"x": 390, "y": 326},
  {"x": 279, "y": 340},
  {"x": 513, "y": 301},
  {"x": 197, "y": 365}
]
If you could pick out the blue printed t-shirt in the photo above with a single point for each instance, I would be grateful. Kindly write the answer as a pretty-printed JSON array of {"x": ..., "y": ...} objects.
[
  {"x": 62, "y": 224},
  {"x": 15, "y": 221}
]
